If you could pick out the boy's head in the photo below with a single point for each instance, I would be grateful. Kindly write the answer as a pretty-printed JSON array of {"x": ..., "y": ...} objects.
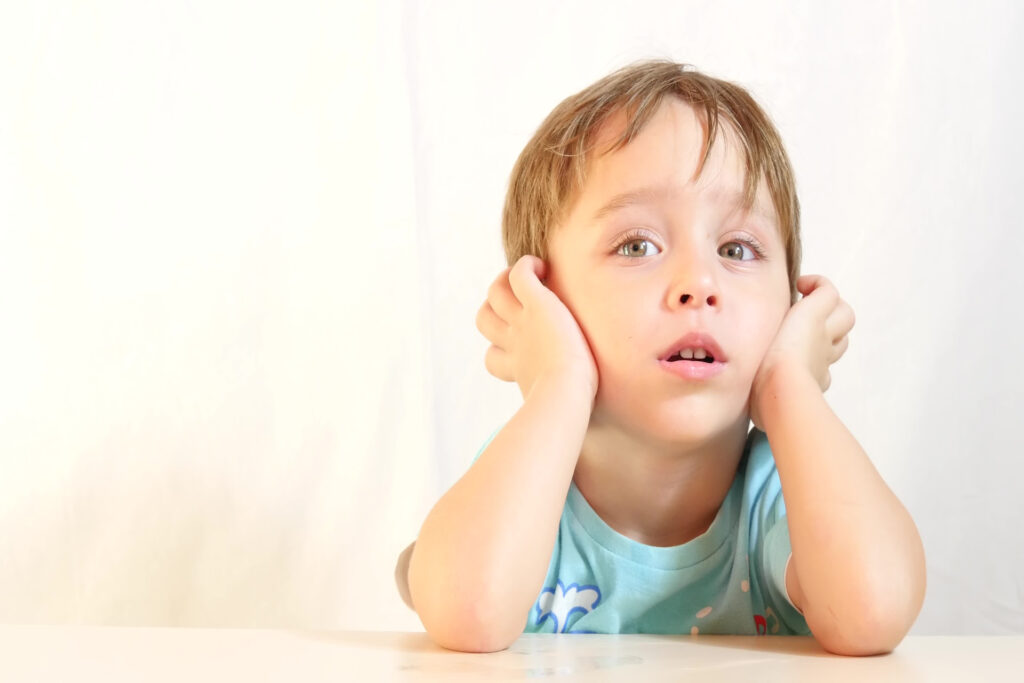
[
  {"x": 664, "y": 204},
  {"x": 552, "y": 168}
]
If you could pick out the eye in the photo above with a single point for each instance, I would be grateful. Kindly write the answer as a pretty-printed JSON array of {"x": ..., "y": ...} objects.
[
  {"x": 634, "y": 246},
  {"x": 735, "y": 250}
]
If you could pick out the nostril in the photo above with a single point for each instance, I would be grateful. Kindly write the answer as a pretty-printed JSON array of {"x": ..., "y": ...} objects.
[{"x": 685, "y": 298}]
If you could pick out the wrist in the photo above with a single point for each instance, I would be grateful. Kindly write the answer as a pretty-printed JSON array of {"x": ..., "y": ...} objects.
[
  {"x": 571, "y": 385},
  {"x": 777, "y": 383}
]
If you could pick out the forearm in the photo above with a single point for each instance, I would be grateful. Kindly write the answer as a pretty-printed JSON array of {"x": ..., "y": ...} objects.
[
  {"x": 856, "y": 551},
  {"x": 484, "y": 549}
]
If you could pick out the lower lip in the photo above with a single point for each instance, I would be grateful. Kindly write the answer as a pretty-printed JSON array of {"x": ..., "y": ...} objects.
[{"x": 693, "y": 370}]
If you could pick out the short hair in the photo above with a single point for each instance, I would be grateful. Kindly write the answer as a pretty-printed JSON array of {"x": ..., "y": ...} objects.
[{"x": 551, "y": 169}]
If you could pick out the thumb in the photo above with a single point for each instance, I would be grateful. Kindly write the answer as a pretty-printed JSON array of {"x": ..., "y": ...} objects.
[
  {"x": 526, "y": 277},
  {"x": 820, "y": 290},
  {"x": 805, "y": 284}
]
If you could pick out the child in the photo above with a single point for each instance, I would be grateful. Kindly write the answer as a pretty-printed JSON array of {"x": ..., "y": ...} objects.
[{"x": 651, "y": 312}]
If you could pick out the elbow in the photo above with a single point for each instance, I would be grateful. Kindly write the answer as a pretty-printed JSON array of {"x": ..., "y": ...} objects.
[
  {"x": 461, "y": 612},
  {"x": 874, "y": 628},
  {"x": 858, "y": 645},
  {"x": 873, "y": 621},
  {"x": 456, "y": 621},
  {"x": 470, "y": 628},
  {"x": 477, "y": 643}
]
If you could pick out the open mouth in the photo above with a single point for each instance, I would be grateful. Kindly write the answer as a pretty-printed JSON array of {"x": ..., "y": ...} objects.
[
  {"x": 697, "y": 347},
  {"x": 698, "y": 356}
]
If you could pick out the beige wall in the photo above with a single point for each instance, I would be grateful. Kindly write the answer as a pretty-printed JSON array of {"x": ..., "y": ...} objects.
[{"x": 242, "y": 246}]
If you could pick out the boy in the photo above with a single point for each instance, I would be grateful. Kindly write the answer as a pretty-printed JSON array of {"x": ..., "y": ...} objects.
[{"x": 651, "y": 313}]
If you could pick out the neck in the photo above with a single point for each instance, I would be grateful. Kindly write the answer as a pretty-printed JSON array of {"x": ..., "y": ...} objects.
[{"x": 660, "y": 493}]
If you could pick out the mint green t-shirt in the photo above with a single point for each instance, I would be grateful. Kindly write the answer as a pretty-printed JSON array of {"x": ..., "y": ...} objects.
[{"x": 729, "y": 580}]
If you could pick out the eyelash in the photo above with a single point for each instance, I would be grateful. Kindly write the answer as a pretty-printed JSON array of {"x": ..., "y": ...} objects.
[{"x": 635, "y": 235}]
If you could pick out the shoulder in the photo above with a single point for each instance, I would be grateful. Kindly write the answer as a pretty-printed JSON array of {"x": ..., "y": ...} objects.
[
  {"x": 762, "y": 487},
  {"x": 760, "y": 463}
]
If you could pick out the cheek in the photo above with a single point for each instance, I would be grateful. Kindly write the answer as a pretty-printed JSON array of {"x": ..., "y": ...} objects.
[
  {"x": 615, "y": 317},
  {"x": 609, "y": 318},
  {"x": 579, "y": 299},
  {"x": 763, "y": 329}
]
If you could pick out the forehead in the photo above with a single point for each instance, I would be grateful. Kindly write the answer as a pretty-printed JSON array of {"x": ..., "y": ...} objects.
[{"x": 662, "y": 161}]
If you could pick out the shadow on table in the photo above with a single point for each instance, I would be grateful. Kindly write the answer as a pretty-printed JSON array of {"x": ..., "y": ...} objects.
[
  {"x": 379, "y": 640},
  {"x": 801, "y": 646},
  {"x": 802, "y": 658}
]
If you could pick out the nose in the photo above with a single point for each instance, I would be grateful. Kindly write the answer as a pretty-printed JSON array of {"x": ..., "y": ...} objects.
[{"x": 694, "y": 285}]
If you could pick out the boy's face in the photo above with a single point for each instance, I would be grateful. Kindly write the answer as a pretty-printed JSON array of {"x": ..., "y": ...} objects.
[{"x": 639, "y": 277}]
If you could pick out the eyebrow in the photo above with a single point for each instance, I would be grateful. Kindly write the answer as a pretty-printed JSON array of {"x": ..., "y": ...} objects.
[{"x": 652, "y": 193}]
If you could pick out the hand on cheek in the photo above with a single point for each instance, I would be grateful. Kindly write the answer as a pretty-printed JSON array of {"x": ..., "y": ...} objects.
[
  {"x": 812, "y": 336},
  {"x": 533, "y": 334}
]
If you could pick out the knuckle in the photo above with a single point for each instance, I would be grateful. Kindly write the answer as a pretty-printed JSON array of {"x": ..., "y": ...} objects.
[
  {"x": 515, "y": 278},
  {"x": 526, "y": 265},
  {"x": 480, "y": 319},
  {"x": 498, "y": 283},
  {"x": 491, "y": 360}
]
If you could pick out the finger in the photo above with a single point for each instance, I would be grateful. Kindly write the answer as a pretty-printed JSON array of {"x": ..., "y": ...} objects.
[
  {"x": 499, "y": 364},
  {"x": 805, "y": 284},
  {"x": 503, "y": 302},
  {"x": 490, "y": 324},
  {"x": 819, "y": 291},
  {"x": 525, "y": 277},
  {"x": 838, "y": 349},
  {"x": 840, "y": 321}
]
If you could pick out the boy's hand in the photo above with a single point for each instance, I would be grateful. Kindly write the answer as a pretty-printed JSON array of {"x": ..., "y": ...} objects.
[
  {"x": 812, "y": 336},
  {"x": 532, "y": 333}
]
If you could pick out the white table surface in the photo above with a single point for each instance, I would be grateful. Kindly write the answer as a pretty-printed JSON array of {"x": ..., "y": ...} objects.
[{"x": 77, "y": 653}]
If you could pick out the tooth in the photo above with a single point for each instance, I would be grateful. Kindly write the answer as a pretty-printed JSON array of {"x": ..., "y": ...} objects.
[
  {"x": 686, "y": 353},
  {"x": 700, "y": 354}
]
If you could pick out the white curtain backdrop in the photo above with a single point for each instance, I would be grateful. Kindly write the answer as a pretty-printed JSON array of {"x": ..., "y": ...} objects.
[{"x": 242, "y": 246}]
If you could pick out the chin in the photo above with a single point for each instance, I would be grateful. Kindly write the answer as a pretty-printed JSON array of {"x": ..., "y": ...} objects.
[{"x": 678, "y": 424}]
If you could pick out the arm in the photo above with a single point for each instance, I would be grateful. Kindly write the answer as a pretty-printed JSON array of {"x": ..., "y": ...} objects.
[
  {"x": 484, "y": 549},
  {"x": 483, "y": 552},
  {"x": 858, "y": 565}
]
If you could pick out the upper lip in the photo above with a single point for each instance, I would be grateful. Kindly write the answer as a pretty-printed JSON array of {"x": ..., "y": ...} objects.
[{"x": 694, "y": 340}]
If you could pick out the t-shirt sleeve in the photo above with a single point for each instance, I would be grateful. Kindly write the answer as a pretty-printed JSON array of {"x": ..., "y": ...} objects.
[
  {"x": 486, "y": 444},
  {"x": 773, "y": 552}
]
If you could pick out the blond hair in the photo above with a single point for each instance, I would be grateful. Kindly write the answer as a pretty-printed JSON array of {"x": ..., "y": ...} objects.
[{"x": 551, "y": 169}]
